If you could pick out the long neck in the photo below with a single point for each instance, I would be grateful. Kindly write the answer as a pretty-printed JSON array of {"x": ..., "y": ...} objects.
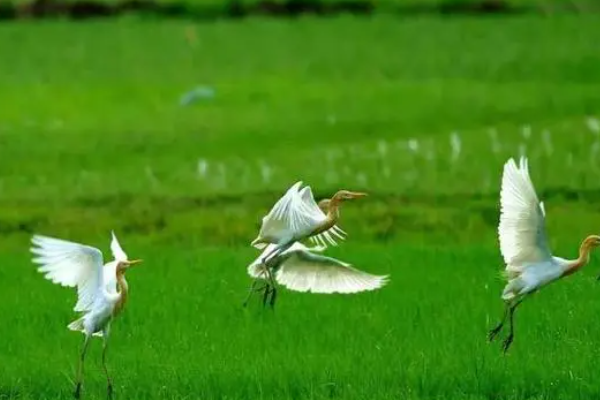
[
  {"x": 332, "y": 215},
  {"x": 123, "y": 290},
  {"x": 333, "y": 211},
  {"x": 582, "y": 260}
]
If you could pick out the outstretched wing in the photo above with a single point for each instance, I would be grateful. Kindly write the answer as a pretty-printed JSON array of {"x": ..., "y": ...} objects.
[
  {"x": 289, "y": 218},
  {"x": 522, "y": 228},
  {"x": 304, "y": 271},
  {"x": 311, "y": 207},
  {"x": 70, "y": 264}
]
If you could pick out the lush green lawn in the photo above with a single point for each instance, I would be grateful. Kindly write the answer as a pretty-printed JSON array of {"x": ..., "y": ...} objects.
[{"x": 93, "y": 137}]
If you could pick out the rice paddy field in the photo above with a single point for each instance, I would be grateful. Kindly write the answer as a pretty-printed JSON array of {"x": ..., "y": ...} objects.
[{"x": 181, "y": 136}]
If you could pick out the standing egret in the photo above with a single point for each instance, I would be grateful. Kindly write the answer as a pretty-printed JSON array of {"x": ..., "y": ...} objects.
[
  {"x": 102, "y": 289},
  {"x": 296, "y": 216},
  {"x": 298, "y": 268},
  {"x": 524, "y": 245}
]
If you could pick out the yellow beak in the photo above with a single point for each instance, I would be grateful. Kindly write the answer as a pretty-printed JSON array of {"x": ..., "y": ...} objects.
[{"x": 133, "y": 262}]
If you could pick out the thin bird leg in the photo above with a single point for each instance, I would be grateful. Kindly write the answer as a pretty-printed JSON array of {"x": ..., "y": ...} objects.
[
  {"x": 273, "y": 289},
  {"x": 271, "y": 254},
  {"x": 266, "y": 294},
  {"x": 494, "y": 332},
  {"x": 79, "y": 379},
  {"x": 252, "y": 290},
  {"x": 511, "y": 335},
  {"x": 109, "y": 386}
]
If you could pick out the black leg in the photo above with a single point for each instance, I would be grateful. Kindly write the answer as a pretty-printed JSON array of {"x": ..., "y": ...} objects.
[
  {"x": 511, "y": 335},
  {"x": 266, "y": 294},
  {"x": 252, "y": 290},
  {"x": 86, "y": 343},
  {"x": 494, "y": 332},
  {"x": 273, "y": 297}
]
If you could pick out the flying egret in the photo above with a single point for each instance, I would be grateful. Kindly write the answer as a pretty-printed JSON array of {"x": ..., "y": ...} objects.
[
  {"x": 102, "y": 289},
  {"x": 299, "y": 269},
  {"x": 524, "y": 245},
  {"x": 296, "y": 216}
]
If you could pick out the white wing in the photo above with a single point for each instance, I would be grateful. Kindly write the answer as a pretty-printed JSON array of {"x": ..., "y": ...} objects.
[
  {"x": 311, "y": 207},
  {"x": 522, "y": 228},
  {"x": 116, "y": 249},
  {"x": 70, "y": 264},
  {"x": 303, "y": 271},
  {"x": 256, "y": 269},
  {"x": 289, "y": 218}
]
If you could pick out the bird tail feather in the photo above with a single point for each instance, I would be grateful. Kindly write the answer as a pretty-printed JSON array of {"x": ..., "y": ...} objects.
[{"x": 77, "y": 325}]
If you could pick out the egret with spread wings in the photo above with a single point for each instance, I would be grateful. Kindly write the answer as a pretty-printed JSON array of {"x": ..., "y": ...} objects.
[
  {"x": 102, "y": 289},
  {"x": 301, "y": 269},
  {"x": 295, "y": 217},
  {"x": 524, "y": 245}
]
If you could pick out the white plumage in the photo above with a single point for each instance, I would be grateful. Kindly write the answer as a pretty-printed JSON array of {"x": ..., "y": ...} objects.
[
  {"x": 101, "y": 289},
  {"x": 298, "y": 268},
  {"x": 76, "y": 265},
  {"x": 522, "y": 234},
  {"x": 524, "y": 243},
  {"x": 295, "y": 216}
]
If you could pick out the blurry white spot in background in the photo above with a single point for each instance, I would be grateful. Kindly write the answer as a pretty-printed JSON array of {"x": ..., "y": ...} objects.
[
  {"x": 382, "y": 148},
  {"x": 522, "y": 149},
  {"x": 265, "y": 172},
  {"x": 198, "y": 93},
  {"x": 526, "y": 132},
  {"x": 456, "y": 146},
  {"x": 202, "y": 168},
  {"x": 593, "y": 125},
  {"x": 493, "y": 134},
  {"x": 413, "y": 145},
  {"x": 150, "y": 175}
]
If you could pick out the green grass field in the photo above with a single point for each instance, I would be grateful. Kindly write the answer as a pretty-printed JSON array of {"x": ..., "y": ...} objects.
[{"x": 420, "y": 113}]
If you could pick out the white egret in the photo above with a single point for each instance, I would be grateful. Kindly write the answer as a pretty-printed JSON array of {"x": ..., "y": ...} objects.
[
  {"x": 524, "y": 245},
  {"x": 296, "y": 216},
  {"x": 102, "y": 289},
  {"x": 299, "y": 269}
]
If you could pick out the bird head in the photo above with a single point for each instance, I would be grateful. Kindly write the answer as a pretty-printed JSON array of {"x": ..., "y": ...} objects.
[
  {"x": 348, "y": 195},
  {"x": 125, "y": 264}
]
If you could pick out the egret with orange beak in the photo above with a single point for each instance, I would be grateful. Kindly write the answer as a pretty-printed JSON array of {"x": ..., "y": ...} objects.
[
  {"x": 524, "y": 245},
  {"x": 102, "y": 289},
  {"x": 295, "y": 217}
]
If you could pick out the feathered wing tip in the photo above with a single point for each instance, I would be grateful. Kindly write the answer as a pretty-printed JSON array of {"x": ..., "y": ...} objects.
[
  {"x": 77, "y": 325},
  {"x": 116, "y": 248},
  {"x": 256, "y": 243}
]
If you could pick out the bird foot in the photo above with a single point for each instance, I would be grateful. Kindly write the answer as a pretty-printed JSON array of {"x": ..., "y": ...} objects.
[
  {"x": 494, "y": 332},
  {"x": 77, "y": 393},
  {"x": 507, "y": 342},
  {"x": 109, "y": 391}
]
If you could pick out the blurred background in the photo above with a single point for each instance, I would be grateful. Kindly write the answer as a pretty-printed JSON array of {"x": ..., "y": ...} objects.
[{"x": 179, "y": 123}]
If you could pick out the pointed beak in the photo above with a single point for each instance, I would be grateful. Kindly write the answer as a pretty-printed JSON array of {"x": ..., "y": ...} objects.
[
  {"x": 133, "y": 262},
  {"x": 356, "y": 195}
]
